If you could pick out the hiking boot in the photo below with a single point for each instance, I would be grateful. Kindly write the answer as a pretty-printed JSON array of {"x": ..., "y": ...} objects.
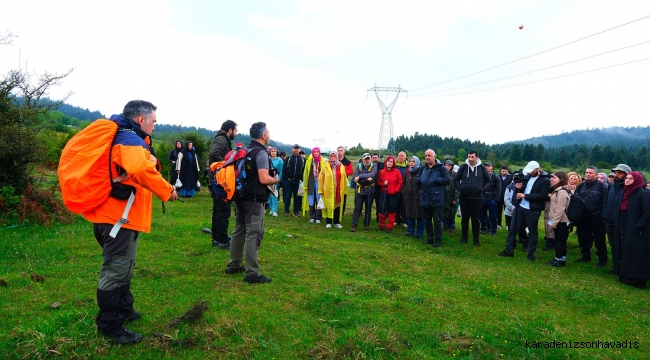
[
  {"x": 367, "y": 228},
  {"x": 338, "y": 226},
  {"x": 477, "y": 243},
  {"x": 506, "y": 254},
  {"x": 463, "y": 241},
  {"x": 531, "y": 257},
  {"x": 296, "y": 215},
  {"x": 124, "y": 336},
  {"x": 353, "y": 228},
  {"x": 231, "y": 270},
  {"x": 135, "y": 315},
  {"x": 223, "y": 246},
  {"x": 286, "y": 214},
  {"x": 437, "y": 243},
  {"x": 257, "y": 279},
  {"x": 556, "y": 263}
]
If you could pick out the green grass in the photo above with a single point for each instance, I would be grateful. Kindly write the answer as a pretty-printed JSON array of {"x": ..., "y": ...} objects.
[{"x": 334, "y": 295}]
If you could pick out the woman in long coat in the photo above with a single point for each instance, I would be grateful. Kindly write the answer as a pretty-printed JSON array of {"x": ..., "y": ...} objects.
[
  {"x": 187, "y": 166},
  {"x": 633, "y": 226},
  {"x": 333, "y": 186},
  {"x": 313, "y": 166},
  {"x": 411, "y": 194}
]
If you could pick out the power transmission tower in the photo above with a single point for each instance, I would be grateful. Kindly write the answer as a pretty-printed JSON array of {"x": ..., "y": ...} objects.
[{"x": 386, "y": 128}]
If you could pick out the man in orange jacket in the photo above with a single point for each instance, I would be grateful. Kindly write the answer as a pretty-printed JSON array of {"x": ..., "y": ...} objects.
[{"x": 135, "y": 172}]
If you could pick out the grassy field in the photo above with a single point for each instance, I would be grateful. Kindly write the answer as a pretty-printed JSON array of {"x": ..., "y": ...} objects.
[{"x": 334, "y": 295}]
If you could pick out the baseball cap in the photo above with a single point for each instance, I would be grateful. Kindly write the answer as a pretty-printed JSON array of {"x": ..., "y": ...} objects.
[
  {"x": 488, "y": 163},
  {"x": 530, "y": 167},
  {"x": 365, "y": 155},
  {"x": 622, "y": 167},
  {"x": 296, "y": 146},
  {"x": 449, "y": 162}
]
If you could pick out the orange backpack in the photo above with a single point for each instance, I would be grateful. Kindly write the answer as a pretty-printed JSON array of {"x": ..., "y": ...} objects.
[
  {"x": 229, "y": 175},
  {"x": 84, "y": 171}
]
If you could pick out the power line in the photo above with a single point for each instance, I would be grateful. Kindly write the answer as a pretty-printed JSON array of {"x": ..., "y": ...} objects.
[
  {"x": 529, "y": 56},
  {"x": 536, "y": 81},
  {"x": 530, "y": 72}
]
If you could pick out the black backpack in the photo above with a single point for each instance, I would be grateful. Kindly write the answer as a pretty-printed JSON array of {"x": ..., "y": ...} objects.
[{"x": 577, "y": 209}]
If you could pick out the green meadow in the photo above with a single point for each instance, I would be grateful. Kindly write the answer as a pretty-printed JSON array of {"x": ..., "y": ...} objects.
[{"x": 334, "y": 295}]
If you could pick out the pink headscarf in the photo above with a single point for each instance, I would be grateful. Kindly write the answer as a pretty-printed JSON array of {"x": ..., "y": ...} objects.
[
  {"x": 637, "y": 184},
  {"x": 316, "y": 158}
]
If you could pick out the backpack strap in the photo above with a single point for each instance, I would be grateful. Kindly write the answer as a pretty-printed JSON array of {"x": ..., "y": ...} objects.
[{"x": 124, "y": 219}]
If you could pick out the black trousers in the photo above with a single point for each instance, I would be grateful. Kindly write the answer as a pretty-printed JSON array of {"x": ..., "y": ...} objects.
[
  {"x": 470, "y": 209},
  {"x": 591, "y": 231},
  {"x": 432, "y": 218},
  {"x": 561, "y": 236},
  {"x": 291, "y": 190},
  {"x": 359, "y": 202},
  {"x": 615, "y": 245},
  {"x": 523, "y": 218},
  {"x": 221, "y": 211}
]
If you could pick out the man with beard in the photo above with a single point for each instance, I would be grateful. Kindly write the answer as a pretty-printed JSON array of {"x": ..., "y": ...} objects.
[
  {"x": 611, "y": 209},
  {"x": 531, "y": 195},
  {"x": 471, "y": 178},
  {"x": 221, "y": 145}
]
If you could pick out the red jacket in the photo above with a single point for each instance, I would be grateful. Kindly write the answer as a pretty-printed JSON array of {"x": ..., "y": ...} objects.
[{"x": 393, "y": 176}]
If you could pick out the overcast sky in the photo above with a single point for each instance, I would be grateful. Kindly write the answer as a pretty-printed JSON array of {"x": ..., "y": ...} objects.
[{"x": 304, "y": 67}]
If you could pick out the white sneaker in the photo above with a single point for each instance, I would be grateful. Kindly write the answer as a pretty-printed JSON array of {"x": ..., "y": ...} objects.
[
  {"x": 274, "y": 214},
  {"x": 317, "y": 221},
  {"x": 311, "y": 221},
  {"x": 328, "y": 226},
  {"x": 338, "y": 226}
]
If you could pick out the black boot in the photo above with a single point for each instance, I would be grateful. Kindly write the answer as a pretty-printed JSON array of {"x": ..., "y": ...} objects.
[{"x": 126, "y": 305}]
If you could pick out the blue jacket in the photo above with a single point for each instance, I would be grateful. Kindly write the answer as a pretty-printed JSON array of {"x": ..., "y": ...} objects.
[{"x": 432, "y": 183}]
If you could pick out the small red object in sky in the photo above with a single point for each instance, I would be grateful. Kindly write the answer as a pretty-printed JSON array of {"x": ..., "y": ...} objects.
[{"x": 521, "y": 27}]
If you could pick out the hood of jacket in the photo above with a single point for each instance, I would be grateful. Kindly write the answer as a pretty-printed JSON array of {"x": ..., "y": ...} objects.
[{"x": 478, "y": 162}]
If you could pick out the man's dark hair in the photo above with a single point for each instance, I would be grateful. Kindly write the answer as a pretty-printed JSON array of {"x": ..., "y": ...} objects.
[
  {"x": 595, "y": 169},
  {"x": 375, "y": 154},
  {"x": 257, "y": 130},
  {"x": 504, "y": 167},
  {"x": 473, "y": 152},
  {"x": 282, "y": 153},
  {"x": 228, "y": 125},
  {"x": 301, "y": 152},
  {"x": 135, "y": 108}
]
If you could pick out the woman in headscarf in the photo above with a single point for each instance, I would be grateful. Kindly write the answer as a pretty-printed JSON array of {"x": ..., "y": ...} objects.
[
  {"x": 187, "y": 167},
  {"x": 557, "y": 218},
  {"x": 411, "y": 194},
  {"x": 633, "y": 227},
  {"x": 173, "y": 156},
  {"x": 313, "y": 166},
  {"x": 333, "y": 186},
  {"x": 389, "y": 181},
  {"x": 277, "y": 163}
]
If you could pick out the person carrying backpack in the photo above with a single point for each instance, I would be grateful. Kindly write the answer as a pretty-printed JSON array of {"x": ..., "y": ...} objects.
[{"x": 131, "y": 160}]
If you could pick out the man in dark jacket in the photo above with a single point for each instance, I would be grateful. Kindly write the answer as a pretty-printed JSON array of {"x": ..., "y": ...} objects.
[
  {"x": 294, "y": 166},
  {"x": 489, "y": 208},
  {"x": 470, "y": 179},
  {"x": 611, "y": 209},
  {"x": 531, "y": 195},
  {"x": 591, "y": 230},
  {"x": 506, "y": 179},
  {"x": 432, "y": 181},
  {"x": 451, "y": 200},
  {"x": 221, "y": 145}
]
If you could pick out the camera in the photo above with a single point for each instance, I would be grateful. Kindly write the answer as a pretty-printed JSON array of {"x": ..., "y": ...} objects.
[
  {"x": 518, "y": 176},
  {"x": 273, "y": 172}
]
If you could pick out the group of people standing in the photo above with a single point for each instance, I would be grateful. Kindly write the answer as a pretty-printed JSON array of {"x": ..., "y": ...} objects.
[{"x": 185, "y": 167}]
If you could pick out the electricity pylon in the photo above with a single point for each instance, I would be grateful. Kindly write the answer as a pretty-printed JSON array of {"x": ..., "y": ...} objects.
[{"x": 386, "y": 128}]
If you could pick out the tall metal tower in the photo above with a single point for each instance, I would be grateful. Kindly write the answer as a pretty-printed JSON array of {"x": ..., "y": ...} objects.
[{"x": 386, "y": 128}]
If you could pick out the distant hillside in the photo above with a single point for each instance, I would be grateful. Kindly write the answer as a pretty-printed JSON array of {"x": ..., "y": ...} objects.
[
  {"x": 79, "y": 113},
  {"x": 613, "y": 136}
]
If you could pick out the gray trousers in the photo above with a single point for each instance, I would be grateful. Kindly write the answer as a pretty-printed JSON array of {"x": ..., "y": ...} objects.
[{"x": 247, "y": 236}]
